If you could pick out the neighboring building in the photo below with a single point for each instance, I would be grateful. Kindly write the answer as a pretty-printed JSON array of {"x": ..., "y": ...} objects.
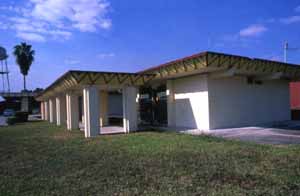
[
  {"x": 20, "y": 101},
  {"x": 295, "y": 100},
  {"x": 204, "y": 91}
]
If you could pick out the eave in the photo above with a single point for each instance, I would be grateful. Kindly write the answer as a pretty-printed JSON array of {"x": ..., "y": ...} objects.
[
  {"x": 212, "y": 62},
  {"x": 73, "y": 80}
]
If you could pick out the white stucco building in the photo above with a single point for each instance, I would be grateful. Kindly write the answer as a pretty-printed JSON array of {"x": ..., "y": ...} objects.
[{"x": 204, "y": 91}]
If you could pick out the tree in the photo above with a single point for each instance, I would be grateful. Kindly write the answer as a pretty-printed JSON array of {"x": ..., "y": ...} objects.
[{"x": 24, "y": 58}]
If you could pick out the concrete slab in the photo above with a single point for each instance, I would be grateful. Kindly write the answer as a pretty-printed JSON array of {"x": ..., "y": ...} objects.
[
  {"x": 106, "y": 130},
  {"x": 111, "y": 130},
  {"x": 287, "y": 134}
]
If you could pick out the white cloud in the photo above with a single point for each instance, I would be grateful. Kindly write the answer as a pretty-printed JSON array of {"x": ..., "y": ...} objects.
[
  {"x": 85, "y": 15},
  {"x": 290, "y": 20},
  {"x": 31, "y": 36},
  {"x": 253, "y": 30},
  {"x": 57, "y": 19},
  {"x": 11, "y": 8},
  {"x": 105, "y": 55},
  {"x": 72, "y": 61}
]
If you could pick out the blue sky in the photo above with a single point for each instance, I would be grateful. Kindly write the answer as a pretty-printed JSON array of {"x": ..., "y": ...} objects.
[{"x": 118, "y": 35}]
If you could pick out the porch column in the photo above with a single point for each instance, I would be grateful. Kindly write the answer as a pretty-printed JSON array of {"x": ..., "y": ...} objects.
[
  {"x": 52, "y": 109},
  {"x": 171, "y": 104},
  {"x": 72, "y": 111},
  {"x": 61, "y": 110},
  {"x": 91, "y": 111},
  {"x": 42, "y": 110},
  {"x": 129, "y": 108},
  {"x": 103, "y": 108},
  {"x": 46, "y": 106}
]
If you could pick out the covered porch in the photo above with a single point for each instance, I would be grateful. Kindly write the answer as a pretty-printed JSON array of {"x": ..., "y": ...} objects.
[{"x": 94, "y": 102}]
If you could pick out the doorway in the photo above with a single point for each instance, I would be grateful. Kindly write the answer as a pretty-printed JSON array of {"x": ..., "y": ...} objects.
[{"x": 153, "y": 105}]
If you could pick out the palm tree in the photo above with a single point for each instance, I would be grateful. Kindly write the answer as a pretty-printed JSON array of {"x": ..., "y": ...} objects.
[{"x": 24, "y": 58}]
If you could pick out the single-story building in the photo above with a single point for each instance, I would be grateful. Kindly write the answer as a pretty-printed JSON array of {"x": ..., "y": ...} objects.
[{"x": 205, "y": 91}]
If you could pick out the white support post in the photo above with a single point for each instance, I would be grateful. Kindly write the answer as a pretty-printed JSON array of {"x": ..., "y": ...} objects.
[
  {"x": 46, "y": 106},
  {"x": 61, "y": 110},
  {"x": 130, "y": 109},
  {"x": 52, "y": 109},
  {"x": 91, "y": 111},
  {"x": 171, "y": 104},
  {"x": 103, "y": 103},
  {"x": 42, "y": 110},
  {"x": 72, "y": 111}
]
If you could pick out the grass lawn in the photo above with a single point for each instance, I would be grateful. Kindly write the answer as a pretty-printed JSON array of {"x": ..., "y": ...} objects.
[{"x": 40, "y": 159}]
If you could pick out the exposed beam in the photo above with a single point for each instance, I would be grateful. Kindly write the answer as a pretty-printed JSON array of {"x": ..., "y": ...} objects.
[
  {"x": 195, "y": 64},
  {"x": 109, "y": 78},
  {"x": 74, "y": 76},
  {"x": 96, "y": 78},
  {"x": 213, "y": 60},
  {"x": 82, "y": 77},
  {"x": 90, "y": 78},
  {"x": 124, "y": 79}
]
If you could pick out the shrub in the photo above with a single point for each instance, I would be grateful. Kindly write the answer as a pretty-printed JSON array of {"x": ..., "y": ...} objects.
[
  {"x": 11, "y": 120},
  {"x": 21, "y": 116}
]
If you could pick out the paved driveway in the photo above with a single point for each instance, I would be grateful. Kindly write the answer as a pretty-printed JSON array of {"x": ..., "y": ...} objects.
[{"x": 286, "y": 133}]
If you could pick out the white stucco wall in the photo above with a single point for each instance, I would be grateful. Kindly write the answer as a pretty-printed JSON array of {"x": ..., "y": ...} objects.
[
  {"x": 235, "y": 103},
  {"x": 190, "y": 102}
]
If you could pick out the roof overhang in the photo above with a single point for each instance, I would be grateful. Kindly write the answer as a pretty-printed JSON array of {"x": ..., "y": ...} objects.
[
  {"x": 212, "y": 63},
  {"x": 73, "y": 80},
  {"x": 230, "y": 65}
]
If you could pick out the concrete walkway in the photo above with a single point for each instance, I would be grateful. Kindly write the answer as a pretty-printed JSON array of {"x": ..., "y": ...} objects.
[{"x": 261, "y": 135}]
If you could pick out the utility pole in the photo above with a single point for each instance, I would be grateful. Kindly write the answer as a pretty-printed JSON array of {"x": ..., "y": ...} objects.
[{"x": 286, "y": 48}]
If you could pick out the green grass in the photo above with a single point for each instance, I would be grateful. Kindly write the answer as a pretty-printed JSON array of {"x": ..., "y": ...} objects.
[{"x": 41, "y": 159}]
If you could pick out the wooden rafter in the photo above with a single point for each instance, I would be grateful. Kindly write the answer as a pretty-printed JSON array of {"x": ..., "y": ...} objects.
[
  {"x": 194, "y": 63},
  {"x": 184, "y": 66},
  {"x": 118, "y": 78},
  {"x": 108, "y": 79},
  {"x": 220, "y": 62},
  {"x": 124, "y": 79},
  {"x": 74, "y": 76},
  {"x": 216, "y": 57},
  {"x": 96, "y": 78},
  {"x": 111, "y": 78},
  {"x": 90, "y": 78},
  {"x": 81, "y": 78},
  {"x": 137, "y": 77},
  {"x": 176, "y": 68}
]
